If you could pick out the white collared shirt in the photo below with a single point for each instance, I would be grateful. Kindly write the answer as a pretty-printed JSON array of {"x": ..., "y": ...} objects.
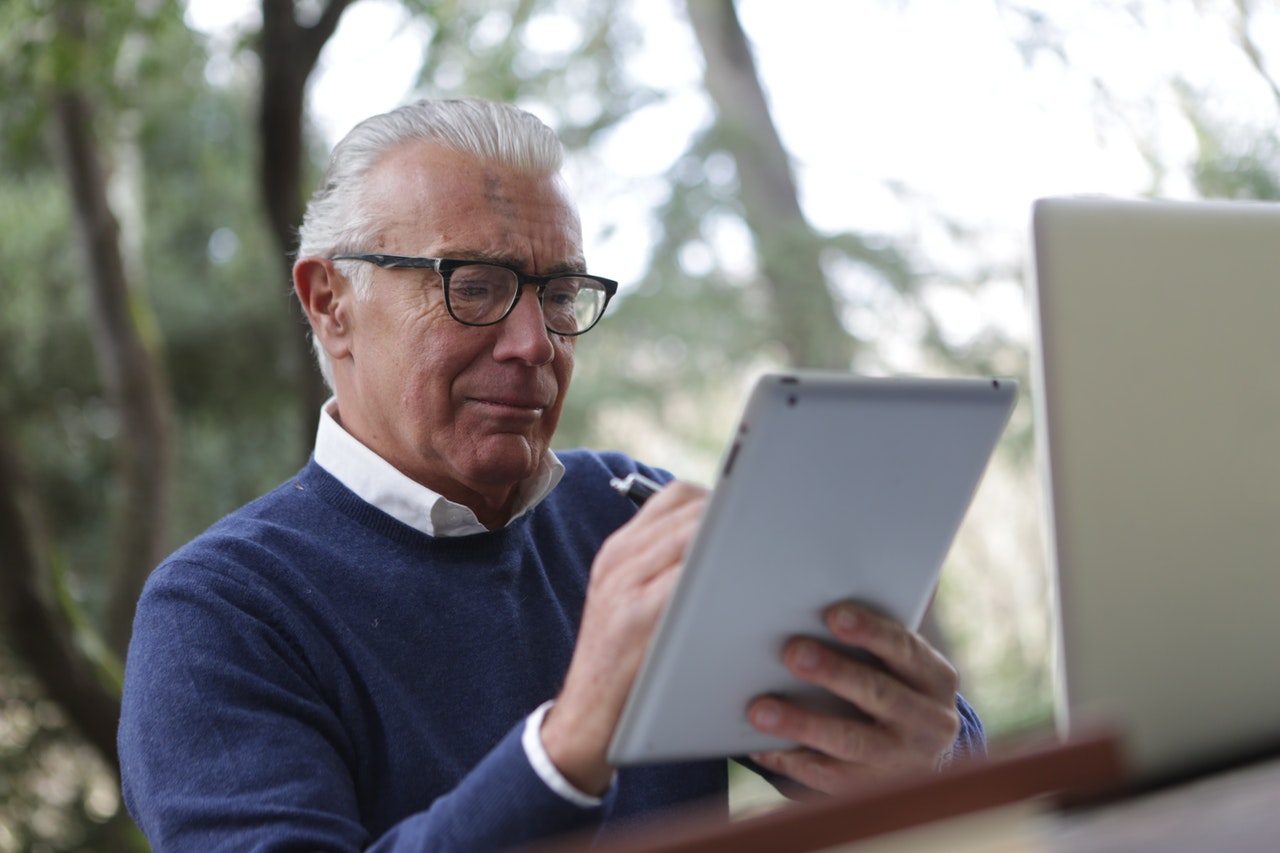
[{"x": 381, "y": 484}]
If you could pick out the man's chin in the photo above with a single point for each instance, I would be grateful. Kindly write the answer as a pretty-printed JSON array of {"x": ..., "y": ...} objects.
[{"x": 506, "y": 460}]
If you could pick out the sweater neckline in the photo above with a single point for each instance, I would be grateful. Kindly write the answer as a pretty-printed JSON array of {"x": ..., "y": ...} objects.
[{"x": 315, "y": 479}]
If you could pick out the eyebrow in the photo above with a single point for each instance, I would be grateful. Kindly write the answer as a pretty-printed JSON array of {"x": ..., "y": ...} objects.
[{"x": 569, "y": 267}]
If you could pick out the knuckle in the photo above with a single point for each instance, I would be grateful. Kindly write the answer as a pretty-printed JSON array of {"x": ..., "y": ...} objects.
[
  {"x": 939, "y": 733},
  {"x": 905, "y": 647},
  {"x": 883, "y": 694},
  {"x": 852, "y": 745},
  {"x": 874, "y": 747},
  {"x": 949, "y": 676}
]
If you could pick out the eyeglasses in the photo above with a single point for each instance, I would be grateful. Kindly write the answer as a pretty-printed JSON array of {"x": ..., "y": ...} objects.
[{"x": 481, "y": 294}]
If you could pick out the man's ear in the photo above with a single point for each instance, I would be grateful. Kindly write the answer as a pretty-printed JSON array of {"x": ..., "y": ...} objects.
[{"x": 326, "y": 296}]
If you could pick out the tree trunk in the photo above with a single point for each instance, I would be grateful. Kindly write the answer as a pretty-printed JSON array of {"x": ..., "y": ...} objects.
[
  {"x": 38, "y": 630},
  {"x": 288, "y": 52},
  {"x": 808, "y": 323},
  {"x": 130, "y": 372}
]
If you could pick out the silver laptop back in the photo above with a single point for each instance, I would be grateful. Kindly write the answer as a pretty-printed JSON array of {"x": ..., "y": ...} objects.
[{"x": 1157, "y": 389}]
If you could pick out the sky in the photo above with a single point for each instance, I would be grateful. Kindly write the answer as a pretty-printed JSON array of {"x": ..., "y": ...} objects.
[{"x": 927, "y": 95}]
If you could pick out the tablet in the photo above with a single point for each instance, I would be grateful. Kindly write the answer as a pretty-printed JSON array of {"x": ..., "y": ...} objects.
[{"x": 835, "y": 487}]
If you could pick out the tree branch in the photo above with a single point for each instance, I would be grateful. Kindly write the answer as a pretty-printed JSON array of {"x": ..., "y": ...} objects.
[
  {"x": 1244, "y": 18},
  {"x": 316, "y": 35}
]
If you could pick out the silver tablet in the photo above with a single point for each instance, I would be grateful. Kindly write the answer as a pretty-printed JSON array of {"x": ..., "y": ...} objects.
[{"x": 835, "y": 487}]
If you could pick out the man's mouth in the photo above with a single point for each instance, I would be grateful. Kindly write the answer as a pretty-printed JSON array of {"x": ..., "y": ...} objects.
[{"x": 510, "y": 406}]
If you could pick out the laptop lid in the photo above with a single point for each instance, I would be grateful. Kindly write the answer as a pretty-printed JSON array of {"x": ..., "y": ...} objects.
[{"x": 1157, "y": 390}]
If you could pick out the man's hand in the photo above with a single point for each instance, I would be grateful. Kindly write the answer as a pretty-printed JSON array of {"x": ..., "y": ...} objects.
[
  {"x": 631, "y": 579},
  {"x": 911, "y": 700}
]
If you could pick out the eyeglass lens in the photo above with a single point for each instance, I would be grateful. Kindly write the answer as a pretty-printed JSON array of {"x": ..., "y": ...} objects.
[{"x": 481, "y": 294}]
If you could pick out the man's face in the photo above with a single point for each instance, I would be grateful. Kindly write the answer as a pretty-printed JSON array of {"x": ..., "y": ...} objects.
[{"x": 467, "y": 411}]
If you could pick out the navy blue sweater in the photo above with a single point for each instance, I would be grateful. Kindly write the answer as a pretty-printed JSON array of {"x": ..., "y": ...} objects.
[{"x": 312, "y": 674}]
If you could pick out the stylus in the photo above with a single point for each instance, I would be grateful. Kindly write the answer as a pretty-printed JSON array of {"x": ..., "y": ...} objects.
[{"x": 638, "y": 487}]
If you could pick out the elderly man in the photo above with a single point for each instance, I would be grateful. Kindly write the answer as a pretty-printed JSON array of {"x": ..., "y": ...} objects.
[{"x": 424, "y": 639}]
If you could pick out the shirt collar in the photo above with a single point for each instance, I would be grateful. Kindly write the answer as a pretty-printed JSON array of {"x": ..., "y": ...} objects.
[{"x": 378, "y": 482}]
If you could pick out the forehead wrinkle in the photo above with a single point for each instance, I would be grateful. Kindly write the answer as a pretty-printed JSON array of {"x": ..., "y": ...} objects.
[
  {"x": 520, "y": 243},
  {"x": 530, "y": 222}
]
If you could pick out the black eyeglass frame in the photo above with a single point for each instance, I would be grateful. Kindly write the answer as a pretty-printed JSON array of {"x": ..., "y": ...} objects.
[{"x": 445, "y": 267}]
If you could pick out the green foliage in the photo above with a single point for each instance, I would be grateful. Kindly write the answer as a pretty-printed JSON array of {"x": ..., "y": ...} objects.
[
  {"x": 55, "y": 792},
  {"x": 1232, "y": 162},
  {"x": 24, "y": 34},
  {"x": 64, "y": 427},
  {"x": 564, "y": 60},
  {"x": 206, "y": 273}
]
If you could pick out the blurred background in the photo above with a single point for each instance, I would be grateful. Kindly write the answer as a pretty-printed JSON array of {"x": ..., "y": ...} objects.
[{"x": 818, "y": 183}]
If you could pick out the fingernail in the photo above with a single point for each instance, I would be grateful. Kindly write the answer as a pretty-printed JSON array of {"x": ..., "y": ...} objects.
[
  {"x": 846, "y": 618},
  {"x": 766, "y": 714},
  {"x": 806, "y": 656}
]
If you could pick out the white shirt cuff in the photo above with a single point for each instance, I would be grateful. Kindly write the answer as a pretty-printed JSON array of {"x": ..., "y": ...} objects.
[{"x": 531, "y": 739}]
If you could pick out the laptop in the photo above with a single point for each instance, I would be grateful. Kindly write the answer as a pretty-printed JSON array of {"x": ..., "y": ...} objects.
[
  {"x": 835, "y": 487},
  {"x": 1157, "y": 394}
]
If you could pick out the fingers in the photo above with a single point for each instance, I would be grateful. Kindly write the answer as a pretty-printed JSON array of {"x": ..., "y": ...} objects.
[
  {"x": 655, "y": 540},
  {"x": 632, "y": 575},
  {"x": 904, "y": 653},
  {"x": 846, "y": 739},
  {"x": 902, "y": 726},
  {"x": 631, "y": 580},
  {"x": 818, "y": 771},
  {"x": 906, "y": 691}
]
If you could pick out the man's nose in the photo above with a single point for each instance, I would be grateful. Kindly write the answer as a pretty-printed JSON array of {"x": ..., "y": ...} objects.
[{"x": 523, "y": 334}]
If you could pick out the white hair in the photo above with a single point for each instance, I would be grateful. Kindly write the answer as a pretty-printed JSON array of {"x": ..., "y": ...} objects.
[{"x": 336, "y": 219}]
